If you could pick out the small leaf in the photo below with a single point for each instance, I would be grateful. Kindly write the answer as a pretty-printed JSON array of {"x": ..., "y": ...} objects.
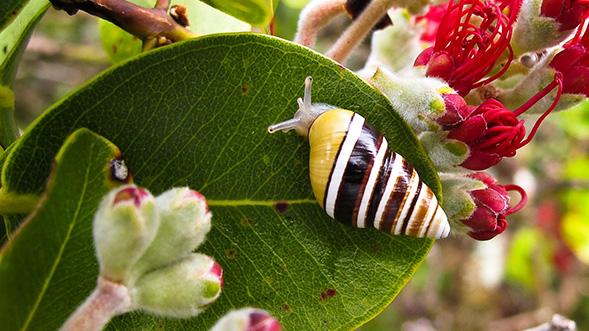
[
  {"x": 14, "y": 37},
  {"x": 255, "y": 12},
  {"x": 49, "y": 267},
  {"x": 196, "y": 114}
]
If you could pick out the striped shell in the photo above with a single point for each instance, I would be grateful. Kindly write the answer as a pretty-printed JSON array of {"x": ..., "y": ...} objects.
[{"x": 358, "y": 180}]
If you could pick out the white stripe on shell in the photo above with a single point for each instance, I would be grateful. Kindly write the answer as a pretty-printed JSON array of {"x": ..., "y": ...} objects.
[
  {"x": 442, "y": 223},
  {"x": 412, "y": 189},
  {"x": 428, "y": 218},
  {"x": 367, "y": 194},
  {"x": 395, "y": 169},
  {"x": 355, "y": 129}
]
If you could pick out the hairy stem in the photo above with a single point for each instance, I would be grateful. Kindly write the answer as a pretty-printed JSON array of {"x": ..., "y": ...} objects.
[
  {"x": 108, "y": 300},
  {"x": 144, "y": 23},
  {"x": 314, "y": 16},
  {"x": 359, "y": 29},
  {"x": 8, "y": 128}
]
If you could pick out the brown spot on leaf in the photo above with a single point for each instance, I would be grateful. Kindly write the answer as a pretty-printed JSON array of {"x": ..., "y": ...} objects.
[
  {"x": 285, "y": 307},
  {"x": 114, "y": 48},
  {"x": 231, "y": 253},
  {"x": 5, "y": 49},
  {"x": 245, "y": 221},
  {"x": 244, "y": 88},
  {"x": 327, "y": 294},
  {"x": 281, "y": 206}
]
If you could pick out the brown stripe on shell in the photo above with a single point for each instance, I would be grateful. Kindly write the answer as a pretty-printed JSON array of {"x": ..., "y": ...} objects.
[
  {"x": 413, "y": 203},
  {"x": 398, "y": 197},
  {"x": 364, "y": 182},
  {"x": 422, "y": 208}
]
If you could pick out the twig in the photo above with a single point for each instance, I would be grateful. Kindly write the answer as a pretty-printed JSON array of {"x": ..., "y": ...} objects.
[
  {"x": 558, "y": 323},
  {"x": 314, "y": 16},
  {"x": 359, "y": 29},
  {"x": 144, "y": 23},
  {"x": 108, "y": 300}
]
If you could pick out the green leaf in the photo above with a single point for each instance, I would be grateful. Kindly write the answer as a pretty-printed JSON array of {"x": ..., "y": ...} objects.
[
  {"x": 196, "y": 113},
  {"x": 255, "y": 12},
  {"x": 49, "y": 267},
  {"x": 9, "y": 10},
  {"x": 13, "y": 38}
]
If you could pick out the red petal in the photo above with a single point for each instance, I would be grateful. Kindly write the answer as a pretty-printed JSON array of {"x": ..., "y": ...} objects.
[
  {"x": 479, "y": 160},
  {"x": 492, "y": 199},
  {"x": 552, "y": 8},
  {"x": 456, "y": 110},
  {"x": 470, "y": 130},
  {"x": 440, "y": 65},
  {"x": 424, "y": 57},
  {"x": 577, "y": 81},
  {"x": 564, "y": 60}
]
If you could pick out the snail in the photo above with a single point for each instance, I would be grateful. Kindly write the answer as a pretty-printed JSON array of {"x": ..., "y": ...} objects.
[{"x": 357, "y": 180}]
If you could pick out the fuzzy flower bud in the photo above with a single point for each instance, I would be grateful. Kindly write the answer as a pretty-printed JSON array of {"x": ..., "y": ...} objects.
[
  {"x": 182, "y": 289},
  {"x": 492, "y": 207},
  {"x": 546, "y": 23},
  {"x": 247, "y": 319},
  {"x": 185, "y": 221},
  {"x": 472, "y": 36},
  {"x": 125, "y": 223}
]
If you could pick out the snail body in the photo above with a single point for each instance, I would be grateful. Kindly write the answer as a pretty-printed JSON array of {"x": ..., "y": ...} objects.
[{"x": 357, "y": 180}]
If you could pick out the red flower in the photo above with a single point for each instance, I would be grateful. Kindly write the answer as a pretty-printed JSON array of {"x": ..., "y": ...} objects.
[
  {"x": 492, "y": 207},
  {"x": 493, "y": 132},
  {"x": 573, "y": 64},
  {"x": 568, "y": 13},
  {"x": 471, "y": 37},
  {"x": 432, "y": 19}
]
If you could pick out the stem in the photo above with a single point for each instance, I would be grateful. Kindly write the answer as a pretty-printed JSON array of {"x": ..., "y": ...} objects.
[
  {"x": 108, "y": 300},
  {"x": 359, "y": 29},
  {"x": 315, "y": 16},
  {"x": 144, "y": 23},
  {"x": 11, "y": 203},
  {"x": 8, "y": 128},
  {"x": 162, "y": 4}
]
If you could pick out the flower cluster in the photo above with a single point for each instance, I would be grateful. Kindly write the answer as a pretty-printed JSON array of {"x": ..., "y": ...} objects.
[{"x": 475, "y": 47}]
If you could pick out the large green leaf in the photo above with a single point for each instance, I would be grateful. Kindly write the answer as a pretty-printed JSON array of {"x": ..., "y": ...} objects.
[
  {"x": 196, "y": 114},
  {"x": 14, "y": 37},
  {"x": 49, "y": 267}
]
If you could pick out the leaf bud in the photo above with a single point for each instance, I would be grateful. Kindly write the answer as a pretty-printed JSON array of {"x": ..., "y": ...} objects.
[
  {"x": 181, "y": 289},
  {"x": 125, "y": 224},
  {"x": 185, "y": 220},
  {"x": 247, "y": 319}
]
